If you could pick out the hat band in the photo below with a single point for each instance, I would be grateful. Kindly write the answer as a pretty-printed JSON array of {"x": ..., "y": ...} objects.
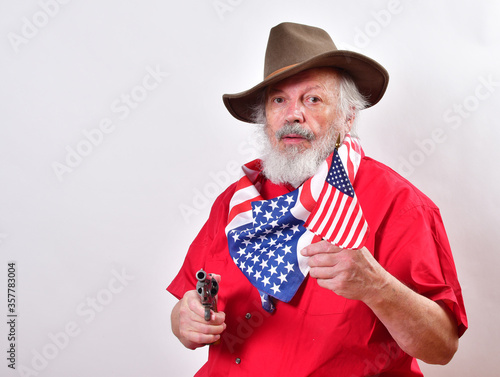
[{"x": 280, "y": 70}]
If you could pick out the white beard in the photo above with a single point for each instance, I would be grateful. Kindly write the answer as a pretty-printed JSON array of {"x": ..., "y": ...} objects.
[{"x": 295, "y": 165}]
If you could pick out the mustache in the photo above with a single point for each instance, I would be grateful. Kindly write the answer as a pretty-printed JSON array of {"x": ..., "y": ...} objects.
[{"x": 294, "y": 128}]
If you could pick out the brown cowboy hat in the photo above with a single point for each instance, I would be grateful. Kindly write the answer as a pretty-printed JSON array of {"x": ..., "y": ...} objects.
[{"x": 293, "y": 48}]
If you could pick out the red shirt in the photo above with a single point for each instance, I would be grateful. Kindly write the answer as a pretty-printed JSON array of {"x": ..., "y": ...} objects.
[{"x": 319, "y": 333}]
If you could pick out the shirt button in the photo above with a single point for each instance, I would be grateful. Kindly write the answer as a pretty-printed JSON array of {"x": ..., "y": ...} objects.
[
  {"x": 248, "y": 316},
  {"x": 238, "y": 360}
]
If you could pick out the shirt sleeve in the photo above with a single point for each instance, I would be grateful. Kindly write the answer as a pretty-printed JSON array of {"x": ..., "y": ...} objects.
[
  {"x": 202, "y": 246},
  {"x": 415, "y": 249}
]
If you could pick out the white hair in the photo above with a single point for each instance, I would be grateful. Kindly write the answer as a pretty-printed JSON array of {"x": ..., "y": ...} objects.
[
  {"x": 350, "y": 100},
  {"x": 294, "y": 165}
]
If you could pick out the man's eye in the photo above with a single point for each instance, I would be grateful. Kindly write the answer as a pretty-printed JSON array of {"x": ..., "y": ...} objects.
[
  {"x": 314, "y": 99},
  {"x": 278, "y": 100}
]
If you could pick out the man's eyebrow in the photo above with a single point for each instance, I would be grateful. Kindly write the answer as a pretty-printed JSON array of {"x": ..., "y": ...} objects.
[
  {"x": 274, "y": 90},
  {"x": 307, "y": 89}
]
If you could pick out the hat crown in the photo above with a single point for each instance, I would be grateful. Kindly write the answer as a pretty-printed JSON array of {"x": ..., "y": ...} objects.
[{"x": 291, "y": 44}]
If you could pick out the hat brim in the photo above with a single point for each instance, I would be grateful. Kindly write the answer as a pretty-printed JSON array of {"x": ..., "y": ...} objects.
[{"x": 370, "y": 78}]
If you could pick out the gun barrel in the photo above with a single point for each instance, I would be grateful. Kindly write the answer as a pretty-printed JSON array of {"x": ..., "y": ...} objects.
[
  {"x": 207, "y": 288},
  {"x": 201, "y": 275}
]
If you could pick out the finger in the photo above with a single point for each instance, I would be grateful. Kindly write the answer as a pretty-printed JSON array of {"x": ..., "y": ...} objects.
[
  {"x": 216, "y": 277},
  {"x": 322, "y": 273},
  {"x": 320, "y": 248},
  {"x": 209, "y": 328},
  {"x": 202, "y": 333},
  {"x": 192, "y": 325},
  {"x": 323, "y": 260},
  {"x": 217, "y": 318},
  {"x": 192, "y": 306}
]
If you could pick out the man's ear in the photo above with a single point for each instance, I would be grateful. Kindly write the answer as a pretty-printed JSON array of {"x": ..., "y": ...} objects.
[{"x": 350, "y": 120}]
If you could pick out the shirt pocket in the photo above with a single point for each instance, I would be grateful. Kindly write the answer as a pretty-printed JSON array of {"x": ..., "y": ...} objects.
[{"x": 317, "y": 301}]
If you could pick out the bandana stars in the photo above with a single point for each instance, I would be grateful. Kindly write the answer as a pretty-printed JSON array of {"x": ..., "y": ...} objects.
[{"x": 266, "y": 249}]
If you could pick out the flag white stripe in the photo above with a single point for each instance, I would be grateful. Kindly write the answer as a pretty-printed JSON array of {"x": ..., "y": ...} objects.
[
  {"x": 243, "y": 195},
  {"x": 323, "y": 203},
  {"x": 241, "y": 219},
  {"x": 361, "y": 236},
  {"x": 304, "y": 240},
  {"x": 331, "y": 207},
  {"x": 353, "y": 226},
  {"x": 345, "y": 221},
  {"x": 318, "y": 181},
  {"x": 298, "y": 210},
  {"x": 338, "y": 215}
]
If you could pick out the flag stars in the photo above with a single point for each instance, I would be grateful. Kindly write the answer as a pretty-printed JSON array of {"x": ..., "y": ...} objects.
[
  {"x": 265, "y": 280},
  {"x": 289, "y": 267},
  {"x": 263, "y": 247},
  {"x": 272, "y": 270},
  {"x": 275, "y": 288},
  {"x": 282, "y": 277},
  {"x": 273, "y": 204},
  {"x": 268, "y": 215},
  {"x": 263, "y": 264}
]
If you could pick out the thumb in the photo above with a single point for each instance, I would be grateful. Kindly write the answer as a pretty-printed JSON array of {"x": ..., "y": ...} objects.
[{"x": 216, "y": 277}]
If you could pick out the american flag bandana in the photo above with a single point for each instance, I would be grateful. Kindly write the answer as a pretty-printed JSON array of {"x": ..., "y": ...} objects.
[{"x": 265, "y": 237}]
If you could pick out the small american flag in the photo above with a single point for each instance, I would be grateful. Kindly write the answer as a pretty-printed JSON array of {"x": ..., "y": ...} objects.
[
  {"x": 337, "y": 216},
  {"x": 265, "y": 236}
]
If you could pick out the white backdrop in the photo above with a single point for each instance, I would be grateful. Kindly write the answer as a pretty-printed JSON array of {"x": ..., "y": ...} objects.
[{"x": 114, "y": 141}]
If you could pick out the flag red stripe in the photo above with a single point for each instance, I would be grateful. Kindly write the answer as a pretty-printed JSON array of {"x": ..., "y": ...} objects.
[
  {"x": 240, "y": 208},
  {"x": 306, "y": 197},
  {"x": 324, "y": 223},
  {"x": 350, "y": 166},
  {"x": 349, "y": 226},
  {"x": 333, "y": 233}
]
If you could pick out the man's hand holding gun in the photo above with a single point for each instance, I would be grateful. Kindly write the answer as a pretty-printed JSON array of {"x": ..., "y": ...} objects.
[{"x": 195, "y": 319}]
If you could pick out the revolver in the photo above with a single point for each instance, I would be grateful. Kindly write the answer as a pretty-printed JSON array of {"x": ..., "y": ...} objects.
[{"x": 207, "y": 288}]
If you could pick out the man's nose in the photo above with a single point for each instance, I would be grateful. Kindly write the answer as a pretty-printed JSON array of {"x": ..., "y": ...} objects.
[{"x": 295, "y": 112}]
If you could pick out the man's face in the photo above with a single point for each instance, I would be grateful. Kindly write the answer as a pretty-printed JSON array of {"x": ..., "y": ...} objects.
[
  {"x": 302, "y": 125},
  {"x": 308, "y": 99}
]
